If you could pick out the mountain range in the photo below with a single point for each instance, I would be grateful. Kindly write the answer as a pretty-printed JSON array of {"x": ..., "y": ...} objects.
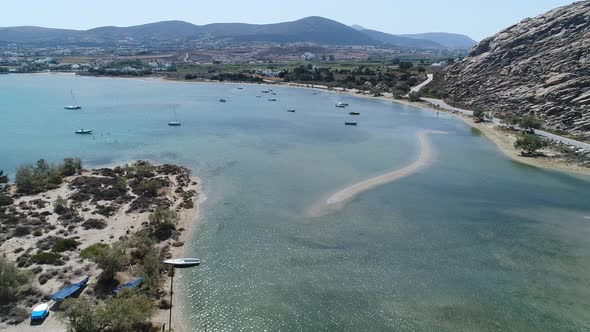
[{"x": 307, "y": 30}]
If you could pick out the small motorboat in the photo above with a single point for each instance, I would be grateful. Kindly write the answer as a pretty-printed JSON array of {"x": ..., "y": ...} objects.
[
  {"x": 83, "y": 131},
  {"x": 183, "y": 262},
  {"x": 258, "y": 96},
  {"x": 240, "y": 88},
  {"x": 40, "y": 312},
  {"x": 174, "y": 124},
  {"x": 348, "y": 123},
  {"x": 354, "y": 113},
  {"x": 273, "y": 93},
  {"x": 291, "y": 111},
  {"x": 340, "y": 105},
  {"x": 222, "y": 100},
  {"x": 265, "y": 91},
  {"x": 272, "y": 99}
]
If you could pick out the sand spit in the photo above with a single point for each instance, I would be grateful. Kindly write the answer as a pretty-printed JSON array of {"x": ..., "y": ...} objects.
[{"x": 338, "y": 199}]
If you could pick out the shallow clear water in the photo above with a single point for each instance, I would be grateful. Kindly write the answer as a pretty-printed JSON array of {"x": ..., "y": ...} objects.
[{"x": 473, "y": 242}]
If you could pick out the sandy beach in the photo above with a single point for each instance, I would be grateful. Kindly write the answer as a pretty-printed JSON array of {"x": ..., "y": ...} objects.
[{"x": 341, "y": 197}]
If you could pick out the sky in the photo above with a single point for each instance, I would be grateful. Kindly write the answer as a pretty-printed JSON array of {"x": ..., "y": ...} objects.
[{"x": 475, "y": 18}]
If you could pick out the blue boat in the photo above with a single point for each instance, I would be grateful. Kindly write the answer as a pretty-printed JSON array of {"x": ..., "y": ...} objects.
[
  {"x": 40, "y": 312},
  {"x": 66, "y": 292},
  {"x": 132, "y": 284}
]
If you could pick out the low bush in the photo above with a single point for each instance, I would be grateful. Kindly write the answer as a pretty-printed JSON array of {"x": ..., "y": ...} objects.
[
  {"x": 49, "y": 258},
  {"x": 93, "y": 250},
  {"x": 94, "y": 224},
  {"x": 65, "y": 245}
]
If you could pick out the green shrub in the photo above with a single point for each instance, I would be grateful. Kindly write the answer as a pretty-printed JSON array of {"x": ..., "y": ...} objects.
[
  {"x": 529, "y": 143},
  {"x": 162, "y": 223},
  {"x": 5, "y": 200},
  {"x": 529, "y": 123},
  {"x": 65, "y": 245},
  {"x": 20, "y": 231},
  {"x": 12, "y": 281},
  {"x": 71, "y": 166},
  {"x": 49, "y": 258},
  {"x": 60, "y": 206},
  {"x": 93, "y": 251}
]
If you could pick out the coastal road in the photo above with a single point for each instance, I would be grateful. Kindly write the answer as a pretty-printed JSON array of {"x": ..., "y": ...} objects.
[
  {"x": 418, "y": 87},
  {"x": 441, "y": 104}
]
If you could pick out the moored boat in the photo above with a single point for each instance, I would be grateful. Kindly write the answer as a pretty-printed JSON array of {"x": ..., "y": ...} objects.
[
  {"x": 349, "y": 123},
  {"x": 83, "y": 131},
  {"x": 74, "y": 105},
  {"x": 272, "y": 99},
  {"x": 174, "y": 124},
  {"x": 222, "y": 100},
  {"x": 340, "y": 105},
  {"x": 354, "y": 113},
  {"x": 291, "y": 111},
  {"x": 40, "y": 312},
  {"x": 183, "y": 262}
]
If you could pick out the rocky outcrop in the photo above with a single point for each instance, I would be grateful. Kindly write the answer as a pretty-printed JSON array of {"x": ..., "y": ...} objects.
[{"x": 540, "y": 66}]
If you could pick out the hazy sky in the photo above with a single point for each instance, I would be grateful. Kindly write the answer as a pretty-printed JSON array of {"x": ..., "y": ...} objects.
[{"x": 476, "y": 18}]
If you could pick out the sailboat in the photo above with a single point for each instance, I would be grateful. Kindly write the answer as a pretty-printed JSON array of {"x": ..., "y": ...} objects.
[
  {"x": 174, "y": 123},
  {"x": 75, "y": 105}
]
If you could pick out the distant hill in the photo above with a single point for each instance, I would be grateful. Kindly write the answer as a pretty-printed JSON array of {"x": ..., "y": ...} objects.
[
  {"x": 539, "y": 66},
  {"x": 310, "y": 30},
  {"x": 401, "y": 41},
  {"x": 448, "y": 40}
]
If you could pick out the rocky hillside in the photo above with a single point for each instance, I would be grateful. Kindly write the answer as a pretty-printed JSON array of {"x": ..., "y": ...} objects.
[{"x": 540, "y": 66}]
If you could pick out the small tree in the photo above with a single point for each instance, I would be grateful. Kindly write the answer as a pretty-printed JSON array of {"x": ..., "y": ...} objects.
[
  {"x": 3, "y": 180},
  {"x": 80, "y": 314},
  {"x": 13, "y": 281},
  {"x": 529, "y": 144},
  {"x": 479, "y": 115},
  {"x": 529, "y": 123},
  {"x": 110, "y": 260},
  {"x": 405, "y": 65},
  {"x": 60, "y": 206},
  {"x": 71, "y": 166},
  {"x": 511, "y": 121},
  {"x": 126, "y": 312},
  {"x": 27, "y": 182},
  {"x": 414, "y": 97},
  {"x": 162, "y": 223}
]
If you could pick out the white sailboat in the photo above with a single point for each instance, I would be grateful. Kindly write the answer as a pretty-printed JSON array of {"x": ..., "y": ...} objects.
[
  {"x": 174, "y": 123},
  {"x": 74, "y": 105}
]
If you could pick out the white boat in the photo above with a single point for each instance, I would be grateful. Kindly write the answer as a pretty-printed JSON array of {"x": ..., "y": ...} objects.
[
  {"x": 83, "y": 131},
  {"x": 183, "y": 262},
  {"x": 40, "y": 311},
  {"x": 75, "y": 105},
  {"x": 174, "y": 123},
  {"x": 341, "y": 105}
]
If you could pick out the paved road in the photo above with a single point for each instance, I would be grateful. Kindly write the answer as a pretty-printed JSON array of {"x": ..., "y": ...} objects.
[
  {"x": 423, "y": 84},
  {"x": 564, "y": 140}
]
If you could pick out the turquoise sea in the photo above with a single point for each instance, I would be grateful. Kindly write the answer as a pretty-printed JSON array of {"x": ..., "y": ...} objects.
[{"x": 475, "y": 242}]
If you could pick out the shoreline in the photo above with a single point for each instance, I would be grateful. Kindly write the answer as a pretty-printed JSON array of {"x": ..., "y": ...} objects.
[{"x": 341, "y": 197}]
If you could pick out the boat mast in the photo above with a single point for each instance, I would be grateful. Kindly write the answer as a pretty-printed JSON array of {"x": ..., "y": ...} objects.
[{"x": 74, "y": 98}]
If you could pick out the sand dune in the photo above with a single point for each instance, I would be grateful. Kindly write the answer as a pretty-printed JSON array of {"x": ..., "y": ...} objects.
[{"x": 341, "y": 197}]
